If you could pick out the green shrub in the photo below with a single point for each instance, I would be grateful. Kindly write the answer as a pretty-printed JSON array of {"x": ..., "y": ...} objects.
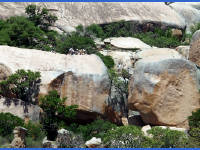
[
  {"x": 159, "y": 38},
  {"x": 95, "y": 30},
  {"x": 194, "y": 119},
  {"x": 97, "y": 128},
  {"x": 35, "y": 131},
  {"x": 55, "y": 109},
  {"x": 167, "y": 138},
  {"x": 31, "y": 143},
  {"x": 40, "y": 17},
  {"x": 75, "y": 41},
  {"x": 194, "y": 28},
  {"x": 107, "y": 60},
  {"x": 117, "y": 29},
  {"x": 8, "y": 122},
  {"x": 23, "y": 84},
  {"x": 125, "y": 137}
]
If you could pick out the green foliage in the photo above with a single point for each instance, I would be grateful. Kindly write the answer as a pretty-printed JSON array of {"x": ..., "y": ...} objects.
[
  {"x": 75, "y": 41},
  {"x": 167, "y": 138},
  {"x": 97, "y": 128},
  {"x": 125, "y": 137},
  {"x": 107, "y": 60},
  {"x": 40, "y": 17},
  {"x": 117, "y": 29},
  {"x": 194, "y": 119},
  {"x": 23, "y": 84},
  {"x": 195, "y": 28},
  {"x": 31, "y": 143},
  {"x": 55, "y": 109},
  {"x": 159, "y": 38},
  {"x": 35, "y": 131},
  {"x": 95, "y": 30},
  {"x": 8, "y": 122}
]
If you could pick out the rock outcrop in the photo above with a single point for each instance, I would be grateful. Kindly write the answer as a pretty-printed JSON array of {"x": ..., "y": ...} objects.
[
  {"x": 164, "y": 90},
  {"x": 94, "y": 143},
  {"x": 19, "y": 108},
  {"x": 184, "y": 51},
  {"x": 69, "y": 13},
  {"x": 126, "y": 43},
  {"x": 195, "y": 37},
  {"x": 194, "y": 52},
  {"x": 83, "y": 79},
  {"x": 19, "y": 137}
]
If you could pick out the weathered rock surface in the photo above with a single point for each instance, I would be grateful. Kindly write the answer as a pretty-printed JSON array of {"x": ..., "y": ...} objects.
[
  {"x": 19, "y": 137},
  {"x": 49, "y": 144},
  {"x": 18, "y": 108},
  {"x": 126, "y": 43},
  {"x": 145, "y": 129},
  {"x": 67, "y": 139},
  {"x": 164, "y": 90},
  {"x": 184, "y": 51},
  {"x": 122, "y": 59},
  {"x": 93, "y": 143},
  {"x": 195, "y": 37},
  {"x": 157, "y": 53},
  {"x": 68, "y": 13},
  {"x": 83, "y": 79},
  {"x": 188, "y": 12},
  {"x": 194, "y": 52}
]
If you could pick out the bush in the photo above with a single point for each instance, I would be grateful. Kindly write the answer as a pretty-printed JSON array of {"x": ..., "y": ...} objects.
[
  {"x": 23, "y": 84},
  {"x": 95, "y": 30},
  {"x": 31, "y": 143},
  {"x": 107, "y": 60},
  {"x": 97, "y": 128},
  {"x": 75, "y": 41},
  {"x": 8, "y": 122},
  {"x": 167, "y": 138},
  {"x": 55, "y": 109},
  {"x": 194, "y": 119},
  {"x": 40, "y": 17},
  {"x": 125, "y": 137},
  {"x": 159, "y": 38}
]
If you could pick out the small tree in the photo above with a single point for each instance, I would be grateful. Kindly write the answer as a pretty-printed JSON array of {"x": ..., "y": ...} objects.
[
  {"x": 40, "y": 17},
  {"x": 55, "y": 109},
  {"x": 22, "y": 84}
]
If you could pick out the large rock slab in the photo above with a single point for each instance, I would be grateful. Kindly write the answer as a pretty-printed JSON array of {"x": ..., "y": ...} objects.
[
  {"x": 126, "y": 43},
  {"x": 195, "y": 37},
  {"x": 69, "y": 13},
  {"x": 83, "y": 79},
  {"x": 164, "y": 91}
]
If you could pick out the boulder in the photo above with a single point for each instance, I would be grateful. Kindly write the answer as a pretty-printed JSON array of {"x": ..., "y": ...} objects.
[
  {"x": 164, "y": 90},
  {"x": 67, "y": 139},
  {"x": 19, "y": 137},
  {"x": 177, "y": 33},
  {"x": 122, "y": 59},
  {"x": 83, "y": 79},
  {"x": 187, "y": 12},
  {"x": 93, "y": 143},
  {"x": 184, "y": 51},
  {"x": 145, "y": 129},
  {"x": 126, "y": 43},
  {"x": 49, "y": 144},
  {"x": 195, "y": 37},
  {"x": 157, "y": 53},
  {"x": 194, "y": 52},
  {"x": 18, "y": 108},
  {"x": 68, "y": 13}
]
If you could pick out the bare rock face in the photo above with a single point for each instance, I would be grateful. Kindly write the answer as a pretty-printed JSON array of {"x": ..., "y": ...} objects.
[
  {"x": 18, "y": 108},
  {"x": 83, "y": 79},
  {"x": 164, "y": 91},
  {"x": 70, "y": 13},
  {"x": 194, "y": 53},
  {"x": 126, "y": 43},
  {"x": 184, "y": 51},
  {"x": 195, "y": 37}
]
